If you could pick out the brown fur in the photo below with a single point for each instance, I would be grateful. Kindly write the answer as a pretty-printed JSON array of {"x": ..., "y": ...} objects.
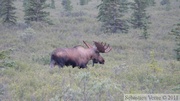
[{"x": 76, "y": 56}]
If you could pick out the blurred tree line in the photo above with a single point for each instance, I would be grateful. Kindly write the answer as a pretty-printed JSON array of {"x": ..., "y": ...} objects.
[
  {"x": 34, "y": 11},
  {"x": 112, "y": 14}
]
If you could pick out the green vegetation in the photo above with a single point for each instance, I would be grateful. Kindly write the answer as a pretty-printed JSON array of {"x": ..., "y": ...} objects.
[
  {"x": 139, "y": 15},
  {"x": 111, "y": 14},
  {"x": 150, "y": 2},
  {"x": 52, "y": 5},
  {"x": 67, "y": 5},
  {"x": 7, "y": 12},
  {"x": 84, "y": 2},
  {"x": 34, "y": 11},
  {"x": 134, "y": 66},
  {"x": 176, "y": 33},
  {"x": 167, "y": 3}
]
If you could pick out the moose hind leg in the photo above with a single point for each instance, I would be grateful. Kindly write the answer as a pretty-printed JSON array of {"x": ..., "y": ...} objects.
[
  {"x": 52, "y": 63},
  {"x": 60, "y": 63}
]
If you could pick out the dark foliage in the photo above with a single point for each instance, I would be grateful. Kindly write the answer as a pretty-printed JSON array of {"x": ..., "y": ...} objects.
[
  {"x": 7, "y": 13},
  {"x": 52, "y": 5},
  {"x": 67, "y": 5},
  {"x": 84, "y": 2},
  {"x": 34, "y": 11},
  {"x": 165, "y": 2},
  {"x": 176, "y": 33},
  {"x": 139, "y": 18},
  {"x": 111, "y": 13}
]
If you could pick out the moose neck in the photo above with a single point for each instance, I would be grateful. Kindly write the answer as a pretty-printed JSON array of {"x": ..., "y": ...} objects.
[{"x": 91, "y": 53}]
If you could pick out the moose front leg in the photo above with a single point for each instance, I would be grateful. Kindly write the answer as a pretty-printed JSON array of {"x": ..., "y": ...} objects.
[
  {"x": 94, "y": 62},
  {"x": 83, "y": 66}
]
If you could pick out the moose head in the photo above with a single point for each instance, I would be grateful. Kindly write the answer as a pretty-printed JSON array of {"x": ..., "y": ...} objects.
[{"x": 79, "y": 55}]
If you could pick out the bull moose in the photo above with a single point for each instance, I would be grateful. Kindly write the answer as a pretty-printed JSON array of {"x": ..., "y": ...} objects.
[{"x": 79, "y": 56}]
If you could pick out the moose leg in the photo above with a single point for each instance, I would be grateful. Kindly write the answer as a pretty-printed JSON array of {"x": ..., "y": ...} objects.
[
  {"x": 60, "y": 63},
  {"x": 94, "y": 62},
  {"x": 83, "y": 66},
  {"x": 52, "y": 63}
]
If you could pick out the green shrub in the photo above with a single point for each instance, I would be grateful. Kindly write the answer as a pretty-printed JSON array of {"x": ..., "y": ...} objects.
[
  {"x": 44, "y": 60},
  {"x": 4, "y": 54},
  {"x": 176, "y": 88},
  {"x": 5, "y": 59}
]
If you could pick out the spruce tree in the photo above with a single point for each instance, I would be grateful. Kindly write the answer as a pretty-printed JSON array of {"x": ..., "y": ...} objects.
[
  {"x": 150, "y": 2},
  {"x": 34, "y": 11},
  {"x": 83, "y": 2},
  {"x": 52, "y": 5},
  {"x": 176, "y": 33},
  {"x": 139, "y": 16},
  {"x": 111, "y": 14},
  {"x": 67, "y": 5},
  {"x": 0, "y": 7},
  {"x": 145, "y": 32},
  {"x": 167, "y": 3},
  {"x": 7, "y": 13}
]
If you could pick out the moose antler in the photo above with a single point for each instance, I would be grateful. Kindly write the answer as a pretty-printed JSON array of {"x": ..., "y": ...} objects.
[
  {"x": 88, "y": 45},
  {"x": 102, "y": 47}
]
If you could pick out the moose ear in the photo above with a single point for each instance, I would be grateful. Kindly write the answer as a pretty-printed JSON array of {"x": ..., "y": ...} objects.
[{"x": 88, "y": 45}]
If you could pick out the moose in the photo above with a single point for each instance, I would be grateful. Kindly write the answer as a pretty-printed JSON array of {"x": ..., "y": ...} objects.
[{"x": 79, "y": 56}]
